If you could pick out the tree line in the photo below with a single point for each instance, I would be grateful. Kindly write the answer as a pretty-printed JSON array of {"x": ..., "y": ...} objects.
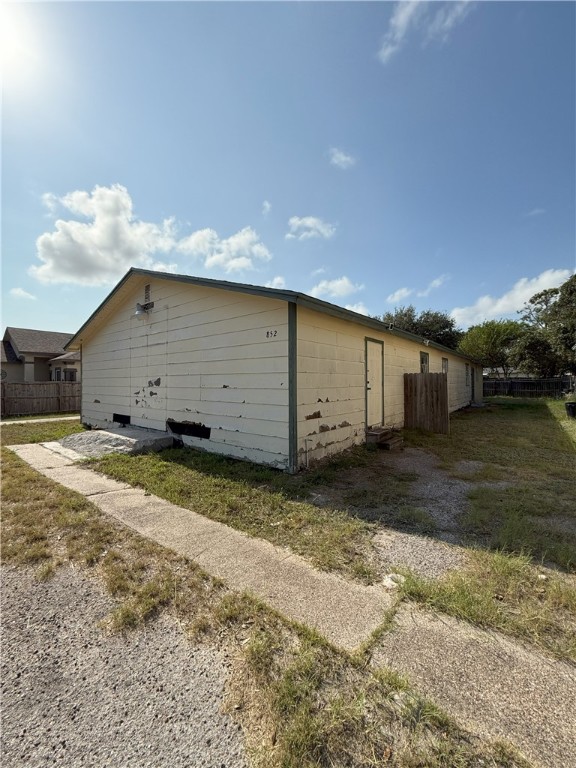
[{"x": 541, "y": 343}]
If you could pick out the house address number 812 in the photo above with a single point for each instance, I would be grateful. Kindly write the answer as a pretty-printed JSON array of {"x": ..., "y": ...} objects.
[{"x": 271, "y": 334}]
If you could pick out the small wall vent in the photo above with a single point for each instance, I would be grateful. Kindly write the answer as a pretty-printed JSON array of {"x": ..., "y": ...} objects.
[{"x": 120, "y": 418}]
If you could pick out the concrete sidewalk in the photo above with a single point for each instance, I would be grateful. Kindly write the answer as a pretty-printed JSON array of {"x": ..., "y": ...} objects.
[
  {"x": 7, "y": 423},
  {"x": 343, "y": 612}
]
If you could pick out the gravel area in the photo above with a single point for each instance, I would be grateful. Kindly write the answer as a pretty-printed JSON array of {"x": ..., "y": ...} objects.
[
  {"x": 426, "y": 557},
  {"x": 74, "y": 695}
]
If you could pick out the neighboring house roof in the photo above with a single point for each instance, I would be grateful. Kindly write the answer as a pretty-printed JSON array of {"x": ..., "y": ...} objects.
[
  {"x": 67, "y": 357},
  {"x": 136, "y": 276},
  {"x": 39, "y": 343},
  {"x": 7, "y": 353}
]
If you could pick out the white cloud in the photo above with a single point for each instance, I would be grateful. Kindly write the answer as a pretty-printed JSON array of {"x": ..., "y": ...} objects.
[
  {"x": 50, "y": 202},
  {"x": 507, "y": 305},
  {"x": 276, "y": 282},
  {"x": 340, "y": 159},
  {"x": 319, "y": 271},
  {"x": 266, "y": 208},
  {"x": 404, "y": 15},
  {"x": 399, "y": 295},
  {"x": 232, "y": 254},
  {"x": 436, "y": 19},
  {"x": 341, "y": 286},
  {"x": 436, "y": 283},
  {"x": 102, "y": 239},
  {"x": 305, "y": 227},
  {"x": 20, "y": 293},
  {"x": 403, "y": 293},
  {"x": 360, "y": 307},
  {"x": 99, "y": 250},
  {"x": 535, "y": 212},
  {"x": 450, "y": 15}
]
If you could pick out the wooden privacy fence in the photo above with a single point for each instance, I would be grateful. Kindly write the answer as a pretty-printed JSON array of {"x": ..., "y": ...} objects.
[
  {"x": 20, "y": 399},
  {"x": 528, "y": 387},
  {"x": 426, "y": 402}
]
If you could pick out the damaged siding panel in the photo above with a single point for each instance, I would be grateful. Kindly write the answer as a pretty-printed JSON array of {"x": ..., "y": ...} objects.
[
  {"x": 331, "y": 382},
  {"x": 227, "y": 370}
]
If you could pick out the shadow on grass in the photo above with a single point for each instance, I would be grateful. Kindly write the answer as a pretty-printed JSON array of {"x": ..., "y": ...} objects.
[{"x": 521, "y": 490}]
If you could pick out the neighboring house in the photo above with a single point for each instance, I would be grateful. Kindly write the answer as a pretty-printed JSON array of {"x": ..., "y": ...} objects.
[
  {"x": 269, "y": 375},
  {"x": 30, "y": 356}
]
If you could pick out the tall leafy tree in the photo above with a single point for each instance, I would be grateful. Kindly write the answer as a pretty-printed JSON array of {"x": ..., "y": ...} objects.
[
  {"x": 430, "y": 324},
  {"x": 491, "y": 343},
  {"x": 549, "y": 345}
]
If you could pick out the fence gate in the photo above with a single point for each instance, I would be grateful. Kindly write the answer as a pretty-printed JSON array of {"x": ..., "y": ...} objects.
[{"x": 426, "y": 402}]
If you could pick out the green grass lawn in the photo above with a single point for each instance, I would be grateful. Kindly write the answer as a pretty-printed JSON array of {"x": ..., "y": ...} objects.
[{"x": 530, "y": 447}]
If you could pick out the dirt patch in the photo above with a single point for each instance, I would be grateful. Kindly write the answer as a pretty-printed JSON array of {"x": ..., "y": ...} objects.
[{"x": 426, "y": 557}]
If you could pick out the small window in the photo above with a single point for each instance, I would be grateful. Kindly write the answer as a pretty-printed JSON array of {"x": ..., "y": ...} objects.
[
  {"x": 467, "y": 375},
  {"x": 444, "y": 365},
  {"x": 58, "y": 374},
  {"x": 424, "y": 362},
  {"x": 70, "y": 374}
]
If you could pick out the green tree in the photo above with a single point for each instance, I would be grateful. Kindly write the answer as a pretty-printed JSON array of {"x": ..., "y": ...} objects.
[
  {"x": 549, "y": 346},
  {"x": 430, "y": 324},
  {"x": 491, "y": 343}
]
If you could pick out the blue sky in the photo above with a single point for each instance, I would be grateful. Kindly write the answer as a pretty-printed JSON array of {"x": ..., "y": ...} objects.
[{"x": 373, "y": 154}]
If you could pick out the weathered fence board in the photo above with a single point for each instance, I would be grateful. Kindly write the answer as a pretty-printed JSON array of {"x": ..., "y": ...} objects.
[
  {"x": 528, "y": 387},
  {"x": 27, "y": 399},
  {"x": 426, "y": 402}
]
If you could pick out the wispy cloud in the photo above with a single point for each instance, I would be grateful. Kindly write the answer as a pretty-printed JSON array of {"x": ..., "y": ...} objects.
[
  {"x": 399, "y": 295},
  {"x": 446, "y": 18},
  {"x": 404, "y": 293},
  {"x": 101, "y": 238},
  {"x": 436, "y": 20},
  {"x": 338, "y": 288},
  {"x": 494, "y": 307},
  {"x": 360, "y": 307},
  {"x": 266, "y": 207},
  {"x": 276, "y": 282},
  {"x": 404, "y": 16},
  {"x": 306, "y": 227},
  {"x": 20, "y": 293},
  {"x": 535, "y": 212},
  {"x": 436, "y": 283},
  {"x": 340, "y": 159}
]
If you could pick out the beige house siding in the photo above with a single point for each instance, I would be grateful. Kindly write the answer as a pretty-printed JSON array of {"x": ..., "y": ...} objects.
[
  {"x": 203, "y": 355},
  {"x": 331, "y": 400}
]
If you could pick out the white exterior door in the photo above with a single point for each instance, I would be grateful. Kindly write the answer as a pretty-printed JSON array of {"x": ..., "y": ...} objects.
[{"x": 374, "y": 383}]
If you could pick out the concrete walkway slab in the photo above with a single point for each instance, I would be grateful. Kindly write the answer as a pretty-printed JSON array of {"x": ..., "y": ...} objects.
[
  {"x": 492, "y": 685},
  {"x": 40, "y": 457},
  {"x": 344, "y": 612},
  {"x": 83, "y": 481}
]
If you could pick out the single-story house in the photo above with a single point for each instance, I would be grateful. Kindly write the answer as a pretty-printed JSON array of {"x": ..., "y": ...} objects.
[
  {"x": 264, "y": 374},
  {"x": 30, "y": 355}
]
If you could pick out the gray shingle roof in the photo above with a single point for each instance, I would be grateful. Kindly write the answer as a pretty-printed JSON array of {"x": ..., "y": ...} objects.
[
  {"x": 42, "y": 343},
  {"x": 7, "y": 353}
]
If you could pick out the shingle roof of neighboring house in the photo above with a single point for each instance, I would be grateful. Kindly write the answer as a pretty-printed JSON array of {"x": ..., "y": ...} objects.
[
  {"x": 41, "y": 343},
  {"x": 7, "y": 353}
]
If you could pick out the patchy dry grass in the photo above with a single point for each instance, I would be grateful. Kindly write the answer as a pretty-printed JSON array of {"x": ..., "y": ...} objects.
[
  {"x": 531, "y": 445},
  {"x": 507, "y": 593},
  {"x": 37, "y": 432},
  {"x": 302, "y": 703},
  {"x": 255, "y": 500}
]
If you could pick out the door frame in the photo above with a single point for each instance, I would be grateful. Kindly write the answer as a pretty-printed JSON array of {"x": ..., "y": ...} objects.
[{"x": 370, "y": 340}]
